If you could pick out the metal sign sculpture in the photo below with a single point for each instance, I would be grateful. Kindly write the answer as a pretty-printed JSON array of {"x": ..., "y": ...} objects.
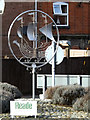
[
  {"x": 26, "y": 43},
  {"x": 59, "y": 55}
]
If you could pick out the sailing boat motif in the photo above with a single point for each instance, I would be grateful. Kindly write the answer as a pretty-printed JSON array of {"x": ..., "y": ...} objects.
[{"x": 28, "y": 51}]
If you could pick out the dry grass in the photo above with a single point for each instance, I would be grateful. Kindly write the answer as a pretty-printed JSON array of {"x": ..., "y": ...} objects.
[
  {"x": 83, "y": 103},
  {"x": 50, "y": 92},
  {"x": 65, "y": 95}
]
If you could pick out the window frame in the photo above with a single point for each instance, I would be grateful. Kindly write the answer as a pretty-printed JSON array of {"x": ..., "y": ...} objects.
[
  {"x": 61, "y": 14},
  {"x": 2, "y": 6}
]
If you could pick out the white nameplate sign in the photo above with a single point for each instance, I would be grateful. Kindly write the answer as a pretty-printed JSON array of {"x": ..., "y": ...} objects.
[{"x": 24, "y": 108}]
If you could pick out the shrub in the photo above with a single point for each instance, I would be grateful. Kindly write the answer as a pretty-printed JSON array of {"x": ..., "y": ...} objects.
[
  {"x": 83, "y": 103},
  {"x": 5, "y": 98},
  {"x": 11, "y": 88},
  {"x": 8, "y": 92},
  {"x": 67, "y": 95},
  {"x": 50, "y": 92},
  {"x": 87, "y": 89}
]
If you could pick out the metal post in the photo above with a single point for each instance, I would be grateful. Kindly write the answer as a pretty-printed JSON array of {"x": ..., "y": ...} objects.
[
  {"x": 33, "y": 79},
  {"x": 81, "y": 80},
  {"x": 35, "y": 46},
  {"x": 53, "y": 65},
  {"x": 0, "y": 58},
  {"x": 43, "y": 86},
  {"x": 68, "y": 80},
  {"x": 78, "y": 80},
  {"x": 33, "y": 71},
  {"x": 36, "y": 24}
]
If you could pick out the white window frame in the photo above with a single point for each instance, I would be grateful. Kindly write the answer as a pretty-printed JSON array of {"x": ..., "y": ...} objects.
[
  {"x": 63, "y": 80},
  {"x": 2, "y": 6},
  {"x": 62, "y": 14}
]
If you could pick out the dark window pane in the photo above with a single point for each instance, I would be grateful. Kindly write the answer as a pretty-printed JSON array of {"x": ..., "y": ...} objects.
[{"x": 64, "y": 8}]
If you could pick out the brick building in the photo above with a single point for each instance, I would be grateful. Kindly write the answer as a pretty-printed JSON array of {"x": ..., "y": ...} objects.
[{"x": 72, "y": 19}]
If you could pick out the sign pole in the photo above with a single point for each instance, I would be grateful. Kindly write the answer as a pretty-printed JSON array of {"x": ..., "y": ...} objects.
[
  {"x": 33, "y": 80},
  {"x": 33, "y": 71},
  {"x": 35, "y": 46},
  {"x": 53, "y": 65},
  {"x": 36, "y": 24}
]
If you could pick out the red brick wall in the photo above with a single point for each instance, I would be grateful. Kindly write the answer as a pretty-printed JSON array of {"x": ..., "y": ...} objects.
[
  {"x": 78, "y": 18},
  {"x": 11, "y": 11}
]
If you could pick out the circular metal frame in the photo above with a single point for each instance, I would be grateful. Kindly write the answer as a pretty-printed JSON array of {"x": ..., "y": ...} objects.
[{"x": 9, "y": 33}]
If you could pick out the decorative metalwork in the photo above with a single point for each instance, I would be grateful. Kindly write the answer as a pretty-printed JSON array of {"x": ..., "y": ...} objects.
[{"x": 25, "y": 44}]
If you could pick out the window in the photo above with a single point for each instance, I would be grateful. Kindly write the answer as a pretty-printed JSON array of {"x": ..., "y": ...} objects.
[
  {"x": 57, "y": 9},
  {"x": 60, "y": 10}
]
